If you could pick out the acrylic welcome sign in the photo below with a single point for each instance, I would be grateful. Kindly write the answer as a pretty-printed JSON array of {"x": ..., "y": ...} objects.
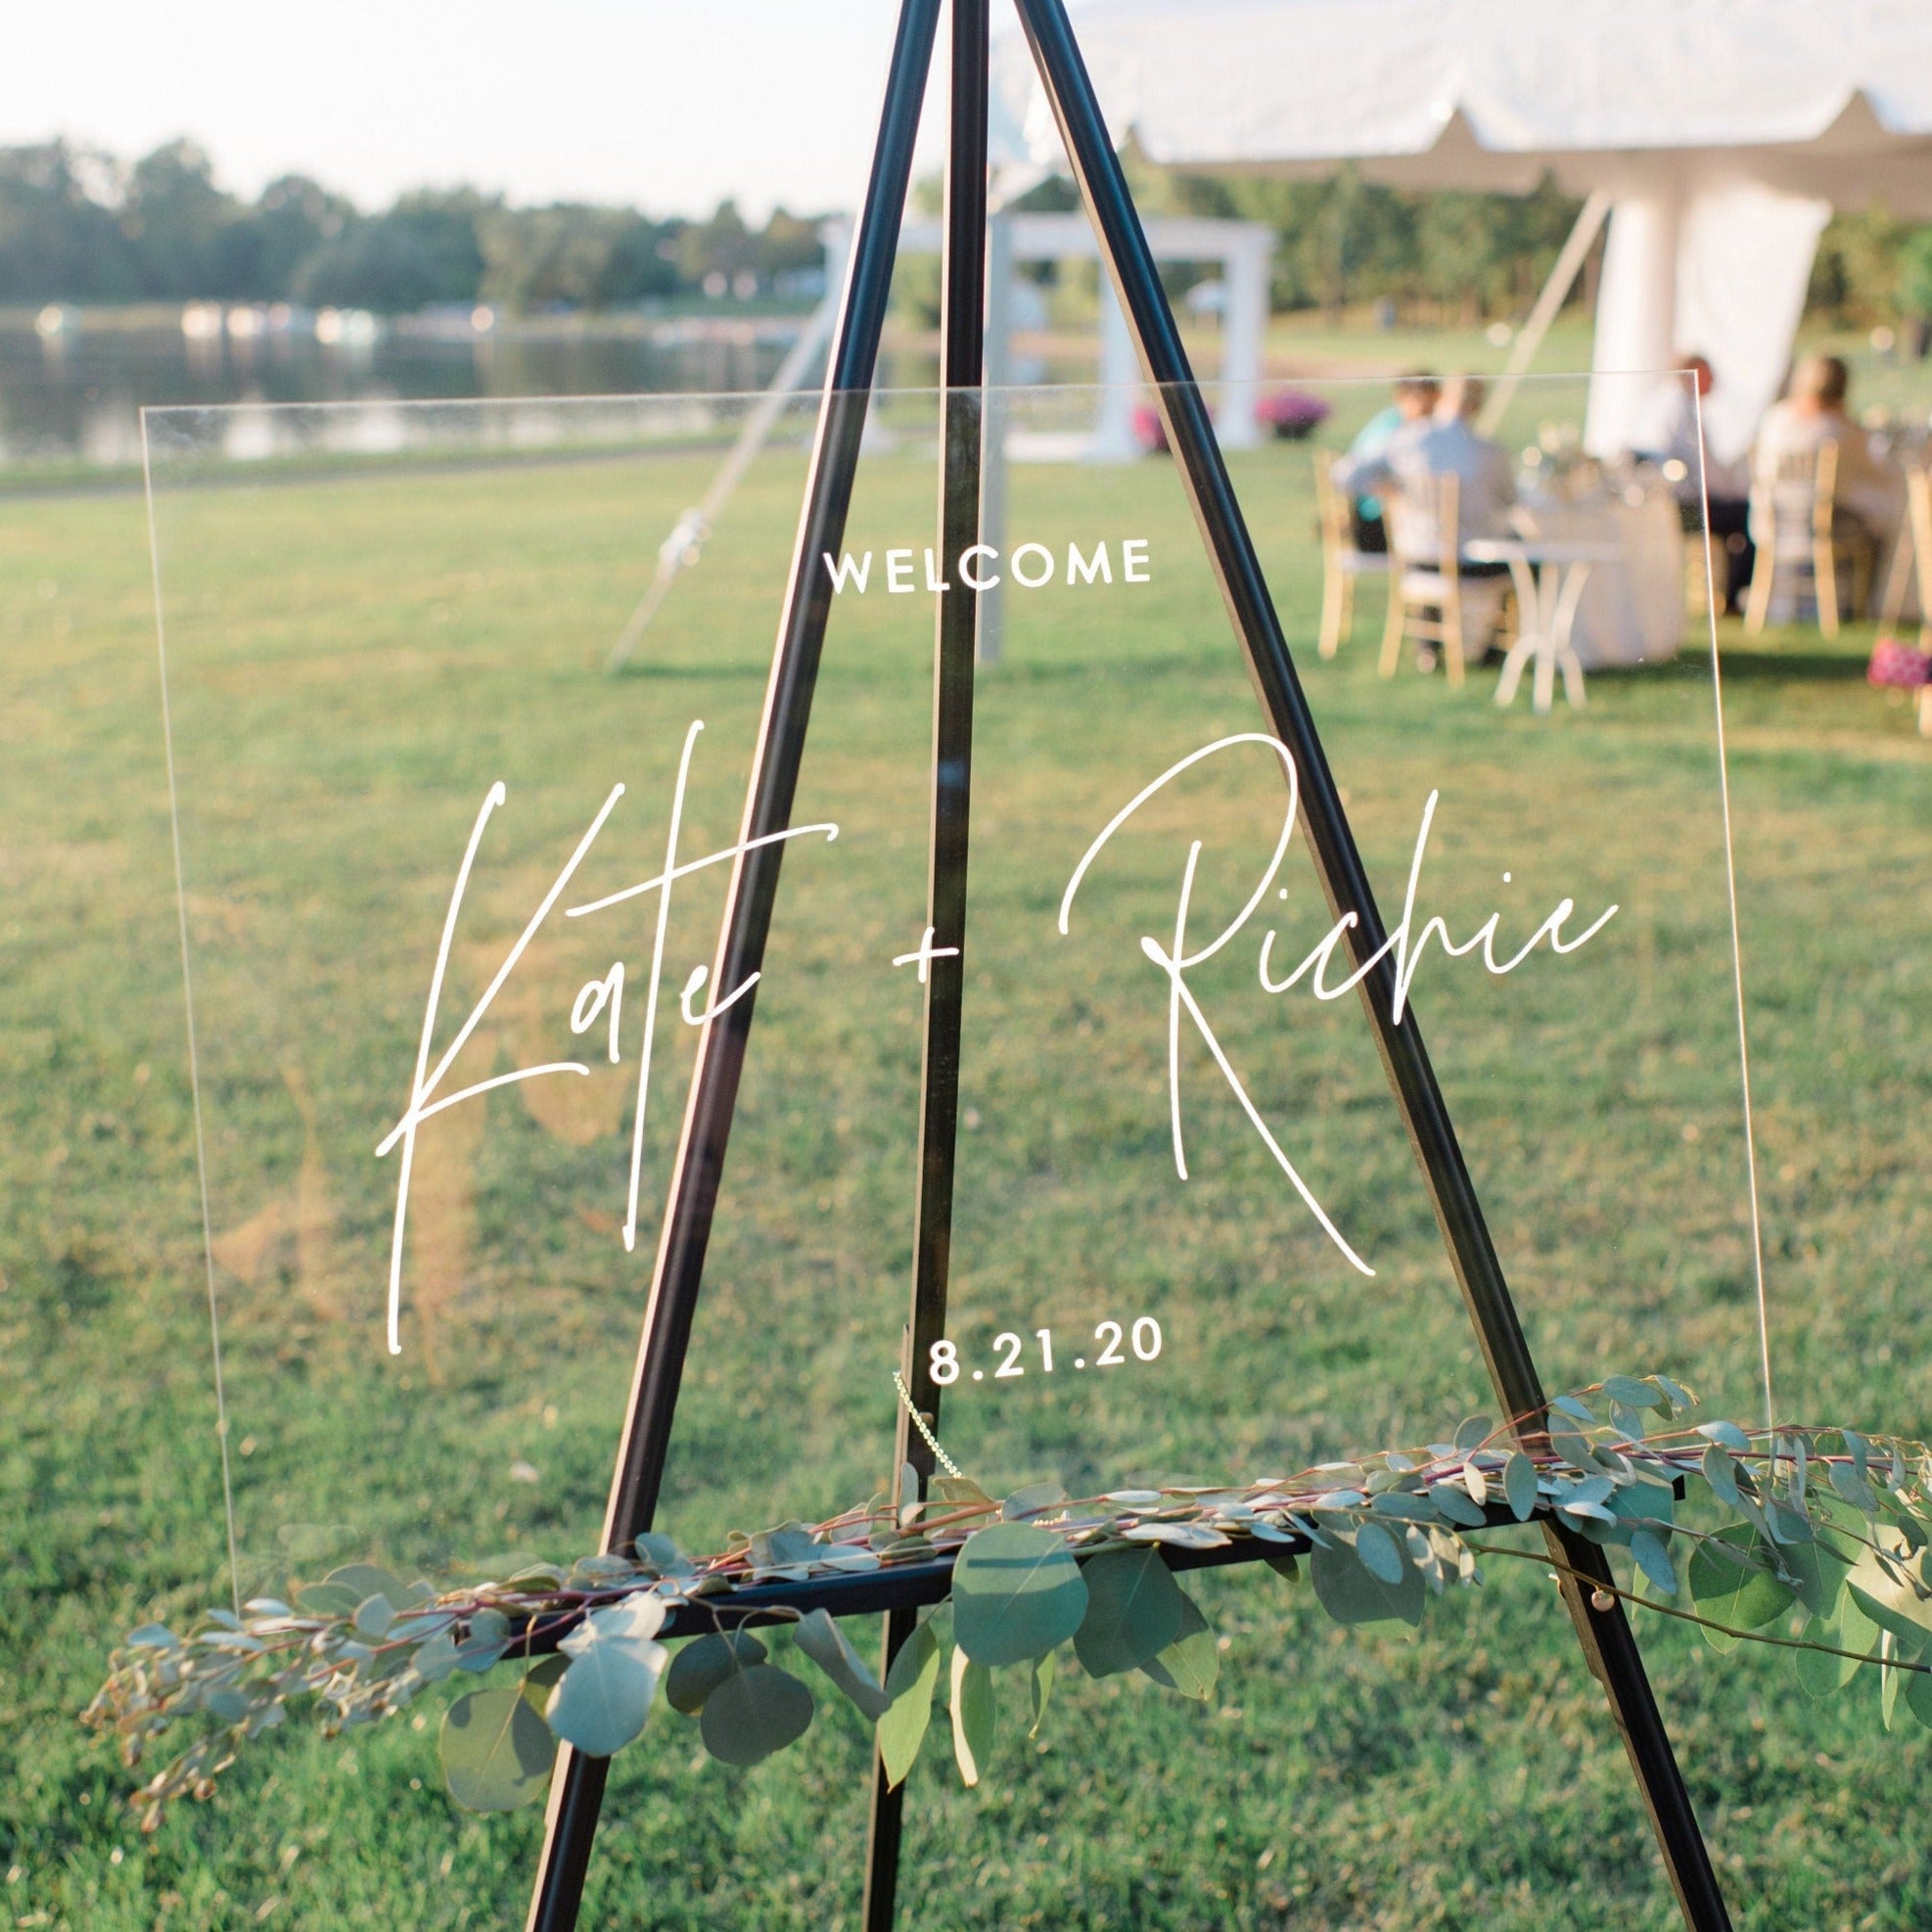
[
  {"x": 444, "y": 997},
  {"x": 451, "y": 892}
]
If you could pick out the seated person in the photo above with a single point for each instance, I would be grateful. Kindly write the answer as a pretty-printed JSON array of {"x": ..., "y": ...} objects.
[
  {"x": 1410, "y": 471},
  {"x": 1427, "y": 448},
  {"x": 1869, "y": 496},
  {"x": 1671, "y": 432},
  {"x": 1416, "y": 396}
]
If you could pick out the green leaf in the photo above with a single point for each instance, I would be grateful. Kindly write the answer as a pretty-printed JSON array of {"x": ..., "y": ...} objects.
[
  {"x": 373, "y": 1617},
  {"x": 1133, "y": 1611},
  {"x": 972, "y": 1714},
  {"x": 1352, "y": 1594},
  {"x": 600, "y": 1701},
  {"x": 1016, "y": 1593},
  {"x": 540, "y": 1677},
  {"x": 1629, "y": 1391},
  {"x": 496, "y": 1751},
  {"x": 1891, "y": 1680},
  {"x": 1473, "y": 1431},
  {"x": 1519, "y": 1485},
  {"x": 1457, "y": 1505},
  {"x": 1654, "y": 1560},
  {"x": 909, "y": 1684},
  {"x": 1730, "y": 1582},
  {"x": 1820, "y": 1570},
  {"x": 1893, "y": 1605},
  {"x": 1824, "y": 1674},
  {"x": 1034, "y": 1497},
  {"x": 1288, "y": 1564},
  {"x": 1720, "y": 1473},
  {"x": 1376, "y": 1549},
  {"x": 1727, "y": 1433},
  {"x": 1192, "y": 1663},
  {"x": 753, "y": 1713},
  {"x": 367, "y": 1580},
  {"x": 826, "y": 1645},
  {"x": 704, "y": 1662},
  {"x": 1040, "y": 1689},
  {"x": 327, "y": 1600},
  {"x": 1919, "y": 1697}
]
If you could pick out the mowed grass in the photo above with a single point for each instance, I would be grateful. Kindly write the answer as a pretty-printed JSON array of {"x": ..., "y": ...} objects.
[{"x": 356, "y": 662}]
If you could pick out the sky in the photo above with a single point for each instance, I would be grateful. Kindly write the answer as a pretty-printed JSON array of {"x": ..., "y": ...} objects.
[{"x": 669, "y": 105}]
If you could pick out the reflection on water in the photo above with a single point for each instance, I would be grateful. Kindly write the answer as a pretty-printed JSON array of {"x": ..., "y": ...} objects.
[{"x": 73, "y": 384}]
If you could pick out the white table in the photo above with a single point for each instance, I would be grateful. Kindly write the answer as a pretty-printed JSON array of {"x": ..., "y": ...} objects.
[
  {"x": 1631, "y": 611},
  {"x": 1550, "y": 579}
]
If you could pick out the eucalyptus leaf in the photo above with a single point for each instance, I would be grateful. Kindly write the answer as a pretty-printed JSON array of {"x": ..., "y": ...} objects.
[
  {"x": 1730, "y": 1582},
  {"x": 1473, "y": 1432},
  {"x": 909, "y": 1684},
  {"x": 1034, "y": 1497},
  {"x": 1016, "y": 1593},
  {"x": 827, "y": 1645},
  {"x": 496, "y": 1751},
  {"x": 704, "y": 1662},
  {"x": 600, "y": 1701},
  {"x": 327, "y": 1600},
  {"x": 1892, "y": 1603},
  {"x": 1039, "y": 1689},
  {"x": 1519, "y": 1485},
  {"x": 753, "y": 1713},
  {"x": 1133, "y": 1611},
  {"x": 1457, "y": 1505},
  {"x": 1629, "y": 1392},
  {"x": 1192, "y": 1663},
  {"x": 1654, "y": 1560},
  {"x": 1379, "y": 1554},
  {"x": 1824, "y": 1674},
  {"x": 373, "y": 1617},
  {"x": 972, "y": 1714},
  {"x": 1352, "y": 1594},
  {"x": 435, "y": 1660}
]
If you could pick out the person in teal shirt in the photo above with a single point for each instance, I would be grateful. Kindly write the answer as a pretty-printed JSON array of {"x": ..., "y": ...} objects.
[{"x": 1416, "y": 396}]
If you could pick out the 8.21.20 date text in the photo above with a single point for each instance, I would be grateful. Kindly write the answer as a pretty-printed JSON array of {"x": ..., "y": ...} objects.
[{"x": 1144, "y": 1339}]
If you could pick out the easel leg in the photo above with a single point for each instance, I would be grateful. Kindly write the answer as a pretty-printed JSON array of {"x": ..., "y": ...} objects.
[
  {"x": 577, "y": 1787},
  {"x": 1605, "y": 1636},
  {"x": 962, "y": 358}
]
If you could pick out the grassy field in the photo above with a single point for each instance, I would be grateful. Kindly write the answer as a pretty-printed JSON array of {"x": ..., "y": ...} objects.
[{"x": 354, "y": 661}]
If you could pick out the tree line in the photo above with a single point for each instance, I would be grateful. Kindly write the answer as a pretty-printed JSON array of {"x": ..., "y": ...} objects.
[{"x": 80, "y": 226}]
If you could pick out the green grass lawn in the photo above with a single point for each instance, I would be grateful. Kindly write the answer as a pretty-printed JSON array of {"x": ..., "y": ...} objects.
[{"x": 355, "y": 659}]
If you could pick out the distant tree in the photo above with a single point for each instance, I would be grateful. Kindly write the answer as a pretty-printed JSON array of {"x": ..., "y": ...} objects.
[
  {"x": 262, "y": 250},
  {"x": 720, "y": 245},
  {"x": 426, "y": 249},
  {"x": 174, "y": 219},
  {"x": 59, "y": 240}
]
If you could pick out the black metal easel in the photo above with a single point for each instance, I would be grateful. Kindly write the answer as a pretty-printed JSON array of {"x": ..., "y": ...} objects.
[{"x": 1604, "y": 1634}]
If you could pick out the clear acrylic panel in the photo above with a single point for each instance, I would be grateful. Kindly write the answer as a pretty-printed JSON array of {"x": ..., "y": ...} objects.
[
  {"x": 1191, "y": 1242},
  {"x": 1190, "y": 1237}
]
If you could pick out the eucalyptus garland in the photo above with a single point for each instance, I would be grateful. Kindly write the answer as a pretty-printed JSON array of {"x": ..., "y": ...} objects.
[{"x": 1730, "y": 1528}]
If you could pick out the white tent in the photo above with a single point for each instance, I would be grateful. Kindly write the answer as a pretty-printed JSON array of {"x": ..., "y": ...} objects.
[{"x": 1725, "y": 131}]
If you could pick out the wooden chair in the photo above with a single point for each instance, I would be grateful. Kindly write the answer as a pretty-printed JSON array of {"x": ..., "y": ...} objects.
[
  {"x": 1341, "y": 562},
  {"x": 1912, "y": 559},
  {"x": 1801, "y": 546},
  {"x": 1430, "y": 601}
]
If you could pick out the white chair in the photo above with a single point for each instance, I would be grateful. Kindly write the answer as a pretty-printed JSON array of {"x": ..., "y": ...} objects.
[
  {"x": 1430, "y": 601},
  {"x": 1802, "y": 543},
  {"x": 1341, "y": 562}
]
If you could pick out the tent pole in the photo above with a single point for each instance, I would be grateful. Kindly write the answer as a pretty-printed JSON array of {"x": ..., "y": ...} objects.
[
  {"x": 1604, "y": 1634},
  {"x": 576, "y": 1788},
  {"x": 962, "y": 360},
  {"x": 1529, "y": 339}
]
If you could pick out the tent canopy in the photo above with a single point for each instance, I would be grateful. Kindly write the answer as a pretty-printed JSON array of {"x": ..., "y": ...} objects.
[{"x": 1726, "y": 129}]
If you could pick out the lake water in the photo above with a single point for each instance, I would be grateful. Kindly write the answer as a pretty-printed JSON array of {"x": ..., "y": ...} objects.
[{"x": 73, "y": 391}]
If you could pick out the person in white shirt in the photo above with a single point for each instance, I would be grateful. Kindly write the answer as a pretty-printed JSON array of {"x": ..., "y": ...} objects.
[
  {"x": 1869, "y": 498},
  {"x": 1418, "y": 454},
  {"x": 1671, "y": 432}
]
